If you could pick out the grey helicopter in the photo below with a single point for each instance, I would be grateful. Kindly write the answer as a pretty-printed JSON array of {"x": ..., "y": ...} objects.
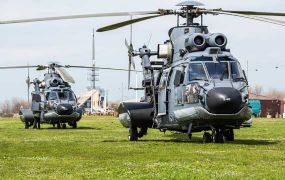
[
  {"x": 53, "y": 100},
  {"x": 195, "y": 85}
]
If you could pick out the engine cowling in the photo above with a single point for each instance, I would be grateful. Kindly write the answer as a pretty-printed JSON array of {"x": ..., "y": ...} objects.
[
  {"x": 217, "y": 40},
  {"x": 55, "y": 82},
  {"x": 196, "y": 42}
]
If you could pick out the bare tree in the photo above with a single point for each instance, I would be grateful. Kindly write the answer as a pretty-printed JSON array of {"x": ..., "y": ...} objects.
[
  {"x": 13, "y": 106},
  {"x": 114, "y": 105},
  {"x": 257, "y": 90},
  {"x": 274, "y": 93},
  {"x": 5, "y": 107}
]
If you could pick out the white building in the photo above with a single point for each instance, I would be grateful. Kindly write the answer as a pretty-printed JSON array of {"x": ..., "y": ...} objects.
[{"x": 93, "y": 101}]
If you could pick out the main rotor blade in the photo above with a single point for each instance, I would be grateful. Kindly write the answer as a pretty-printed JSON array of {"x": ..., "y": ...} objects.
[
  {"x": 125, "y": 23},
  {"x": 133, "y": 62},
  {"x": 256, "y": 13},
  {"x": 257, "y": 18},
  {"x": 103, "y": 68},
  {"x": 18, "y": 67},
  {"x": 80, "y": 16},
  {"x": 64, "y": 75},
  {"x": 67, "y": 66}
]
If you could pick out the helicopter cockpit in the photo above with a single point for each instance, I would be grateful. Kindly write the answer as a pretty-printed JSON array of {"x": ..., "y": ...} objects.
[
  {"x": 60, "y": 95},
  {"x": 220, "y": 70},
  {"x": 219, "y": 78}
]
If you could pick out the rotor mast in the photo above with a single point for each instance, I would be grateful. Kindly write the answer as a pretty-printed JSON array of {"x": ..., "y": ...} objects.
[{"x": 189, "y": 11}]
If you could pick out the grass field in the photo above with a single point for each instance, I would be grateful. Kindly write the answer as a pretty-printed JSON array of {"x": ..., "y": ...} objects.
[{"x": 99, "y": 149}]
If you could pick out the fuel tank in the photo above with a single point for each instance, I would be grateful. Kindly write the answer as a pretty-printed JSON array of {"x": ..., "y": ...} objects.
[
  {"x": 26, "y": 115},
  {"x": 137, "y": 114}
]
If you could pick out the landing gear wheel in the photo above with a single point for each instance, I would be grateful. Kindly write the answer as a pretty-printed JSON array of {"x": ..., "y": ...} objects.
[
  {"x": 63, "y": 126},
  {"x": 142, "y": 132},
  {"x": 27, "y": 125},
  {"x": 229, "y": 135},
  {"x": 207, "y": 138},
  {"x": 37, "y": 124},
  {"x": 133, "y": 134},
  {"x": 58, "y": 126},
  {"x": 74, "y": 125},
  {"x": 219, "y": 137},
  {"x": 190, "y": 136}
]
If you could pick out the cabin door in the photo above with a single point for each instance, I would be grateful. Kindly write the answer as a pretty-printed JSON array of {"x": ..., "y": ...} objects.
[{"x": 163, "y": 93}]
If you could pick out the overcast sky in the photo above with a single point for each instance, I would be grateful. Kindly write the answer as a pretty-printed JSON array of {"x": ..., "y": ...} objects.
[{"x": 69, "y": 41}]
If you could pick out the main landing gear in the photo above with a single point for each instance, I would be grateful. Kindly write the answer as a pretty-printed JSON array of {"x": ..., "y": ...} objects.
[
  {"x": 60, "y": 125},
  {"x": 219, "y": 136},
  {"x": 134, "y": 134}
]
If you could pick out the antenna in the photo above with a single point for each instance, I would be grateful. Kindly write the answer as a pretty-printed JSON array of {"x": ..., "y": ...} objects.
[
  {"x": 247, "y": 70},
  {"x": 93, "y": 74},
  {"x": 93, "y": 78}
]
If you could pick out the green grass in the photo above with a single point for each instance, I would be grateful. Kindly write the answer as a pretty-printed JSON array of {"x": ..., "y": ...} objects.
[{"x": 99, "y": 149}]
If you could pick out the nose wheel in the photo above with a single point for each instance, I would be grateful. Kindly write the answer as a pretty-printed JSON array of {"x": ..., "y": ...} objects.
[
  {"x": 207, "y": 138},
  {"x": 219, "y": 136},
  {"x": 61, "y": 125}
]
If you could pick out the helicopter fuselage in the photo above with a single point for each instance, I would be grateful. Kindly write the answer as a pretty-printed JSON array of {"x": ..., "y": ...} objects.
[
  {"x": 200, "y": 87},
  {"x": 53, "y": 102}
]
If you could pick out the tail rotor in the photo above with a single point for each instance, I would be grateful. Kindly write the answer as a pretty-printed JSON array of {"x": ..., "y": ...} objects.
[
  {"x": 28, "y": 80},
  {"x": 130, "y": 48}
]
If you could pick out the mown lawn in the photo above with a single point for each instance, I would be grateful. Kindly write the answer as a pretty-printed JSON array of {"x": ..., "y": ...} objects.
[{"x": 99, "y": 149}]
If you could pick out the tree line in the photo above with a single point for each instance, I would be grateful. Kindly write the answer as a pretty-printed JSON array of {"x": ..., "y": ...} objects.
[
  {"x": 10, "y": 107},
  {"x": 272, "y": 93}
]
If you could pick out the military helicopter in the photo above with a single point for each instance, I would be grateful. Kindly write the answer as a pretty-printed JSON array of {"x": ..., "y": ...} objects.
[
  {"x": 200, "y": 85},
  {"x": 196, "y": 85},
  {"x": 53, "y": 101}
]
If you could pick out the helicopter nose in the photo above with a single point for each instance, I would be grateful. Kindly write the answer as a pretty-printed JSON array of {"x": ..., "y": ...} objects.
[
  {"x": 224, "y": 100},
  {"x": 64, "y": 109}
]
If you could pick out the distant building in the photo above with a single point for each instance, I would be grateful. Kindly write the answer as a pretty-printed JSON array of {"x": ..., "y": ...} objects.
[
  {"x": 270, "y": 107},
  {"x": 93, "y": 101}
]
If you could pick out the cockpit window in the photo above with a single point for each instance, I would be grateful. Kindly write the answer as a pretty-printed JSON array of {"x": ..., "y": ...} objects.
[
  {"x": 205, "y": 58},
  {"x": 196, "y": 72},
  {"x": 52, "y": 96},
  {"x": 235, "y": 70},
  {"x": 66, "y": 95},
  {"x": 61, "y": 95},
  {"x": 218, "y": 70}
]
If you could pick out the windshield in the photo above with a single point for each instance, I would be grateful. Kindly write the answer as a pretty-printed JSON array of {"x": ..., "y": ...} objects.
[
  {"x": 218, "y": 70},
  {"x": 51, "y": 96},
  {"x": 196, "y": 72},
  {"x": 61, "y": 95}
]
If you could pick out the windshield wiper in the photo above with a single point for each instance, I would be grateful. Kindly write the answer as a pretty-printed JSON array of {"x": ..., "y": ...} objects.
[{"x": 223, "y": 75}]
